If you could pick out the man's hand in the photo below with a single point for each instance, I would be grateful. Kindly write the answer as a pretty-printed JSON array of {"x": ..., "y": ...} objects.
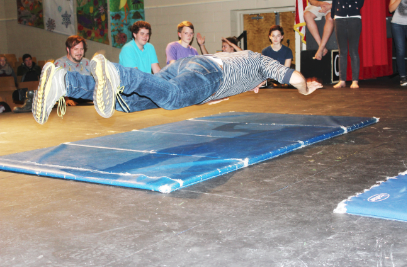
[
  {"x": 200, "y": 39},
  {"x": 257, "y": 88},
  {"x": 70, "y": 102},
  {"x": 201, "y": 42},
  {"x": 325, "y": 7},
  {"x": 231, "y": 44}
]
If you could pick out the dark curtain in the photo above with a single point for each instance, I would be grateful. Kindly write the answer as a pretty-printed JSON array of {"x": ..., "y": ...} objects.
[{"x": 375, "y": 49}]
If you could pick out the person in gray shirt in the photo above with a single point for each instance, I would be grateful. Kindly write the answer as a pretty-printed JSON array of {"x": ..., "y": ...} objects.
[{"x": 75, "y": 61}]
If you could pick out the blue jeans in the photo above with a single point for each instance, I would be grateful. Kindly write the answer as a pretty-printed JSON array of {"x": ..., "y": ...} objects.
[
  {"x": 399, "y": 37},
  {"x": 79, "y": 86},
  {"x": 184, "y": 83},
  {"x": 82, "y": 86}
]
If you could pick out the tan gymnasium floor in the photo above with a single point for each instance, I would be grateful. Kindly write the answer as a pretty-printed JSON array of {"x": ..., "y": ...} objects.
[{"x": 244, "y": 218}]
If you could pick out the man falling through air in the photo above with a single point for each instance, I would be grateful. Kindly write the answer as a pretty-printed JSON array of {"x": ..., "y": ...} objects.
[{"x": 186, "y": 82}]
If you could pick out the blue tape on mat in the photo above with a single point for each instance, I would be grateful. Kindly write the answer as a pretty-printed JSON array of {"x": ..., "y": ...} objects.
[{"x": 167, "y": 157}]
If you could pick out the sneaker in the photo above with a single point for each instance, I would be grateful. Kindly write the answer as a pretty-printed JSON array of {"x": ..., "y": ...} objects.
[
  {"x": 107, "y": 84},
  {"x": 403, "y": 81},
  {"x": 50, "y": 89}
]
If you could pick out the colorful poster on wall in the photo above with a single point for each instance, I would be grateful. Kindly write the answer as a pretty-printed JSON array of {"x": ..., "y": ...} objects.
[
  {"x": 92, "y": 20},
  {"x": 123, "y": 14},
  {"x": 29, "y": 13},
  {"x": 59, "y": 16}
]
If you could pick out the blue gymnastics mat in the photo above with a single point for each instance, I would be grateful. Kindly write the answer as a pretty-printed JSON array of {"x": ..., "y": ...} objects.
[
  {"x": 168, "y": 157},
  {"x": 387, "y": 200}
]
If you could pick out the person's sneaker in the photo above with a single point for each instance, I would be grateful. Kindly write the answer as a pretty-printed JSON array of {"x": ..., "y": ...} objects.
[
  {"x": 50, "y": 89},
  {"x": 403, "y": 81},
  {"x": 107, "y": 83}
]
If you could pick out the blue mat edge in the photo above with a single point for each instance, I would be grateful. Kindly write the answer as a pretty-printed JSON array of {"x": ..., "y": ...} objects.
[
  {"x": 208, "y": 175},
  {"x": 310, "y": 141},
  {"x": 342, "y": 206}
]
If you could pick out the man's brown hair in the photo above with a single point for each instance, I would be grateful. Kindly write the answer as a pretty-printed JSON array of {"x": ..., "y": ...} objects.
[
  {"x": 135, "y": 28},
  {"x": 185, "y": 24},
  {"x": 74, "y": 40}
]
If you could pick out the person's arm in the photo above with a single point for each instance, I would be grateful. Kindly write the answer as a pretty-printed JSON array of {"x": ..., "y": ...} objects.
[
  {"x": 232, "y": 44},
  {"x": 171, "y": 53},
  {"x": 201, "y": 43},
  {"x": 38, "y": 70},
  {"x": 304, "y": 87},
  {"x": 155, "y": 67},
  {"x": 333, "y": 10},
  {"x": 359, "y": 3},
  {"x": 257, "y": 88},
  {"x": 272, "y": 69},
  {"x": 288, "y": 55},
  {"x": 393, "y": 5},
  {"x": 316, "y": 3},
  {"x": 287, "y": 62}
]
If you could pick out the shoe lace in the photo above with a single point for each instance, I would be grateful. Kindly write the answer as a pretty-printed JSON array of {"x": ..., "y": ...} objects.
[
  {"x": 120, "y": 100},
  {"x": 61, "y": 109}
]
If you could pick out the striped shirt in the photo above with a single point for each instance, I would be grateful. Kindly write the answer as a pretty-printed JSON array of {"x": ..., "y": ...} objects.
[{"x": 245, "y": 70}]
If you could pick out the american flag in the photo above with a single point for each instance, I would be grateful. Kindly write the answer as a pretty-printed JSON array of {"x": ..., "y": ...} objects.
[{"x": 299, "y": 26}]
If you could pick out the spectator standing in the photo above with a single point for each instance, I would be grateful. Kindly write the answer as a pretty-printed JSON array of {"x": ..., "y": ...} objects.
[
  {"x": 348, "y": 26},
  {"x": 399, "y": 30}
]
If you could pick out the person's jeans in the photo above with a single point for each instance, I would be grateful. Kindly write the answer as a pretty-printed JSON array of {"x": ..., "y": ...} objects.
[
  {"x": 399, "y": 36},
  {"x": 348, "y": 31},
  {"x": 79, "y": 85},
  {"x": 82, "y": 86},
  {"x": 185, "y": 82}
]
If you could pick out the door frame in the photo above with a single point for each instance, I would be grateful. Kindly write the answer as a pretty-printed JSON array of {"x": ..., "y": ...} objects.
[{"x": 237, "y": 26}]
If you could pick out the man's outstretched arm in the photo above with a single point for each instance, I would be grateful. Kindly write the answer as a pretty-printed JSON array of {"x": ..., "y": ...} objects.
[{"x": 304, "y": 87}]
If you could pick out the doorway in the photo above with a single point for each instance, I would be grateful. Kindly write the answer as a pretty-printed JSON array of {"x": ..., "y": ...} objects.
[{"x": 258, "y": 25}]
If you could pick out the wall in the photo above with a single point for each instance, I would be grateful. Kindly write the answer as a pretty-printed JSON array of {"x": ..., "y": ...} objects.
[
  {"x": 3, "y": 28},
  {"x": 212, "y": 18}
]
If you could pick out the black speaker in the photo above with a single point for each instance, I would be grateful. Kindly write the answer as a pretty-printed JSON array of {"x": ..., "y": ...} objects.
[
  {"x": 325, "y": 70},
  {"x": 312, "y": 44}
]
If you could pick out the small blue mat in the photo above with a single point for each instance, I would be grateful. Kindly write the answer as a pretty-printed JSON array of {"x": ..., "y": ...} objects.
[
  {"x": 167, "y": 157},
  {"x": 387, "y": 200}
]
